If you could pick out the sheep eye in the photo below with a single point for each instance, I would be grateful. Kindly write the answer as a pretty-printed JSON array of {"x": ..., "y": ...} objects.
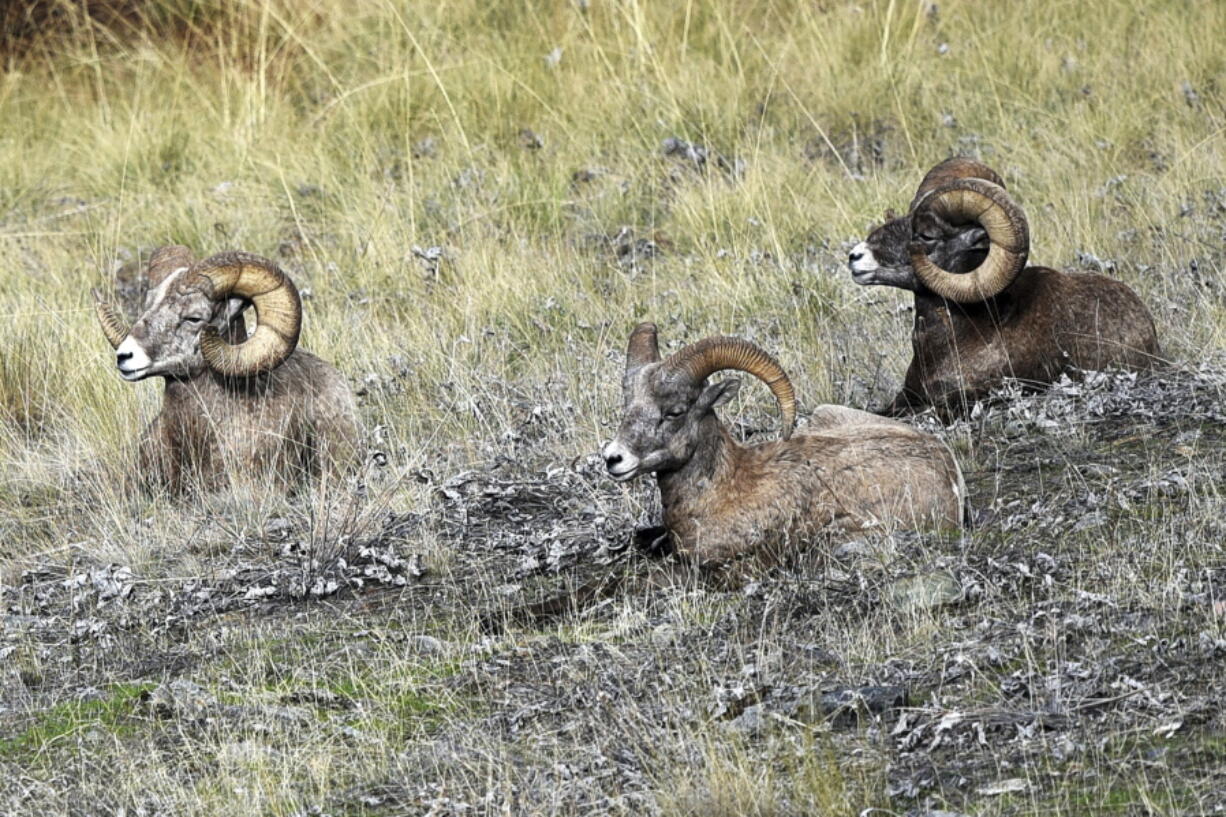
[
  {"x": 194, "y": 321},
  {"x": 675, "y": 412}
]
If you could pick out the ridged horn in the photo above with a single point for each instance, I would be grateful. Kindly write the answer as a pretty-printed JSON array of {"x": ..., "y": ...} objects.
[
  {"x": 278, "y": 313},
  {"x": 112, "y": 325},
  {"x": 989, "y": 205},
  {"x": 702, "y": 359},
  {"x": 643, "y": 348},
  {"x": 165, "y": 260},
  {"x": 951, "y": 170}
]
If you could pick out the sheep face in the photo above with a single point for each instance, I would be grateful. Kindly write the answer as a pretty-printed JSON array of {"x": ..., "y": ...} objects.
[
  {"x": 193, "y": 318},
  {"x": 665, "y": 413},
  {"x": 884, "y": 258},
  {"x": 165, "y": 340}
]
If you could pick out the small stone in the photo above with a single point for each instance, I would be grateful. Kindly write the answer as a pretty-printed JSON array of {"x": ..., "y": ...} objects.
[
  {"x": 426, "y": 645},
  {"x": 751, "y": 720},
  {"x": 848, "y": 703},
  {"x": 424, "y": 148},
  {"x": 181, "y": 699},
  {"x": 1010, "y": 786},
  {"x": 530, "y": 140},
  {"x": 928, "y": 591},
  {"x": 664, "y": 636}
]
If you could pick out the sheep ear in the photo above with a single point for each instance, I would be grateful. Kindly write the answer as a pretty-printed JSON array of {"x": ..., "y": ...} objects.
[
  {"x": 975, "y": 236},
  {"x": 716, "y": 395}
]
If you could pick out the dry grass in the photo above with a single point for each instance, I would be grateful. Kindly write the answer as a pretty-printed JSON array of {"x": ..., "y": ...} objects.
[{"x": 524, "y": 140}]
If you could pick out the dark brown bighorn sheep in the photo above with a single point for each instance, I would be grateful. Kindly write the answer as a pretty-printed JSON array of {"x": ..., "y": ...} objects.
[
  {"x": 982, "y": 315},
  {"x": 234, "y": 406},
  {"x": 848, "y": 471}
]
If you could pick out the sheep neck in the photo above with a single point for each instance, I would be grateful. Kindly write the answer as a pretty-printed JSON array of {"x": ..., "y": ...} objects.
[
  {"x": 954, "y": 315},
  {"x": 712, "y": 466},
  {"x": 209, "y": 386}
]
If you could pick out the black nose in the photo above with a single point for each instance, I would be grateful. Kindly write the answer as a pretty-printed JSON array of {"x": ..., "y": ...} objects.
[
  {"x": 612, "y": 459},
  {"x": 122, "y": 357},
  {"x": 855, "y": 256}
]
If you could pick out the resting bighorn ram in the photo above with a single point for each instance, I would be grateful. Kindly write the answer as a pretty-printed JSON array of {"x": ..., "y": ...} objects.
[
  {"x": 849, "y": 471},
  {"x": 233, "y": 405},
  {"x": 982, "y": 315}
]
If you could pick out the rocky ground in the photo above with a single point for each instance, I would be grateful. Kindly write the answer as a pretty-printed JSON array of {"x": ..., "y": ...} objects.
[{"x": 1067, "y": 654}]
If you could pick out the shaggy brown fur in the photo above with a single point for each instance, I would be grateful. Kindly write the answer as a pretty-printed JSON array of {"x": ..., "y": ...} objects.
[
  {"x": 1045, "y": 323},
  {"x": 292, "y": 424},
  {"x": 730, "y": 500}
]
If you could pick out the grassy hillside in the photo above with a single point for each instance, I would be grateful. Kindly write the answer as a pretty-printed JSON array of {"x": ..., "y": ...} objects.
[{"x": 479, "y": 200}]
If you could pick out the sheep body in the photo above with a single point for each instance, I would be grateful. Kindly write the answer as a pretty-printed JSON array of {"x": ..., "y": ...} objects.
[
  {"x": 1046, "y": 323},
  {"x": 293, "y": 423},
  {"x": 858, "y": 473}
]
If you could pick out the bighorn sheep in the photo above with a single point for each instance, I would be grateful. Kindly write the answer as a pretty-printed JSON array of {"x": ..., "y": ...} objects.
[
  {"x": 982, "y": 315},
  {"x": 233, "y": 405},
  {"x": 850, "y": 471}
]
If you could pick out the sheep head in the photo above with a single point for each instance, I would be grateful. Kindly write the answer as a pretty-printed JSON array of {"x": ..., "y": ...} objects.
[
  {"x": 191, "y": 305},
  {"x": 964, "y": 238},
  {"x": 668, "y": 405}
]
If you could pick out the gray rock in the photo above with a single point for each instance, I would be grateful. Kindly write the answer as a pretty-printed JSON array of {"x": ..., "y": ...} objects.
[
  {"x": 928, "y": 591},
  {"x": 426, "y": 645},
  {"x": 750, "y": 721},
  {"x": 847, "y": 704},
  {"x": 181, "y": 699}
]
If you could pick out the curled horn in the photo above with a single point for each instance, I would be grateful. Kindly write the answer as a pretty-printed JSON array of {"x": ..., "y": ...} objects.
[
  {"x": 988, "y": 204},
  {"x": 278, "y": 312},
  {"x": 643, "y": 347},
  {"x": 700, "y": 360},
  {"x": 112, "y": 325},
  {"x": 951, "y": 170}
]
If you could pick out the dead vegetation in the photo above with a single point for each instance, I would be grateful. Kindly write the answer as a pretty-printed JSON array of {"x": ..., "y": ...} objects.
[{"x": 1077, "y": 633}]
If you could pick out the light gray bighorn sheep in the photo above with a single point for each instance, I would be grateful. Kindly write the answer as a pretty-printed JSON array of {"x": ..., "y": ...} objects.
[
  {"x": 847, "y": 471},
  {"x": 234, "y": 406}
]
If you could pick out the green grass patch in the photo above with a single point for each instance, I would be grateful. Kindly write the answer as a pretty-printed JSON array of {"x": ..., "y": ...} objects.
[{"x": 57, "y": 728}]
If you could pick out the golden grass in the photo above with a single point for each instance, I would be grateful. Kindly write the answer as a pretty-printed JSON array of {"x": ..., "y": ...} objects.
[{"x": 117, "y": 147}]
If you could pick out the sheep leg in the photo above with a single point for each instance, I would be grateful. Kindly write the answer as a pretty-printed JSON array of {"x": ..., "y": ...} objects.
[{"x": 903, "y": 404}]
